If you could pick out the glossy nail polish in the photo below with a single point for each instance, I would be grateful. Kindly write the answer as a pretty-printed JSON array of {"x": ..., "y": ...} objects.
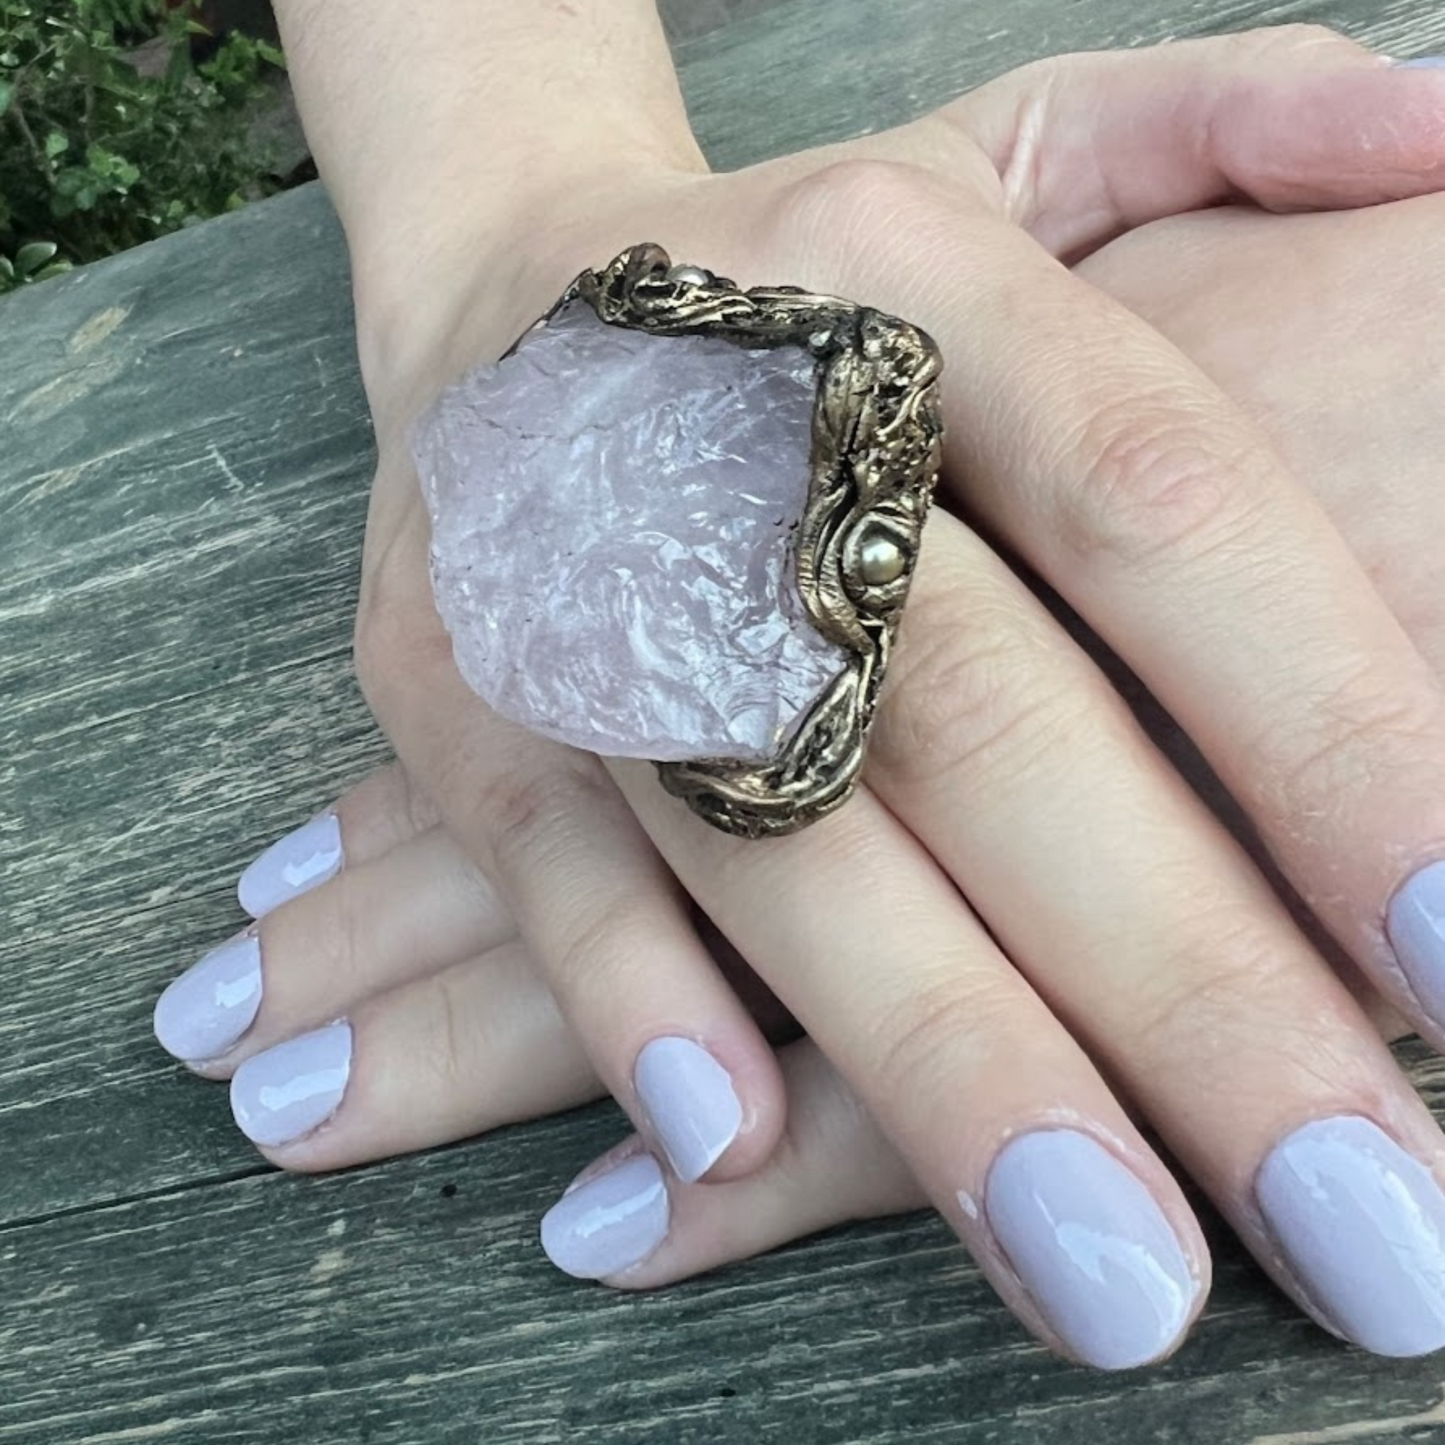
[
  {"x": 1091, "y": 1246},
  {"x": 1415, "y": 923},
  {"x": 302, "y": 860},
  {"x": 282, "y": 1094},
  {"x": 610, "y": 1223},
  {"x": 207, "y": 1009},
  {"x": 1360, "y": 1225},
  {"x": 690, "y": 1103}
]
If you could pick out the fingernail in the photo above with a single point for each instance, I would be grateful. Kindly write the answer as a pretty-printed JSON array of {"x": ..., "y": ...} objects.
[
  {"x": 610, "y": 1223},
  {"x": 1415, "y": 923},
  {"x": 204, "y": 1011},
  {"x": 302, "y": 860},
  {"x": 287, "y": 1091},
  {"x": 1091, "y": 1246},
  {"x": 1361, "y": 1226},
  {"x": 1423, "y": 62},
  {"x": 690, "y": 1103}
]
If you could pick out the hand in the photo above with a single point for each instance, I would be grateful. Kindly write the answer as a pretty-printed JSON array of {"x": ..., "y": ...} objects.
[
  {"x": 1024, "y": 747},
  {"x": 1292, "y": 317}
]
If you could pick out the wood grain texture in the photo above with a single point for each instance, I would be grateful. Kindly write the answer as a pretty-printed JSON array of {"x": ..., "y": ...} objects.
[
  {"x": 688, "y": 19},
  {"x": 182, "y": 482},
  {"x": 408, "y": 1302}
]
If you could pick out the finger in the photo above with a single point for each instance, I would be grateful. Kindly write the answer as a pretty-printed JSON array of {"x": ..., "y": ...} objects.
[
  {"x": 1150, "y": 934},
  {"x": 600, "y": 913},
  {"x": 832, "y": 1165},
  {"x": 462, "y": 1051},
  {"x": 1123, "y": 476},
  {"x": 1264, "y": 316},
  {"x": 438, "y": 1057},
  {"x": 408, "y": 913},
  {"x": 1292, "y": 118},
  {"x": 868, "y": 943},
  {"x": 1290, "y": 316},
  {"x": 368, "y": 820}
]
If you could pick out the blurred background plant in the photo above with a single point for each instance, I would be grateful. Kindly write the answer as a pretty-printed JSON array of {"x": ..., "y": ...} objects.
[{"x": 120, "y": 120}]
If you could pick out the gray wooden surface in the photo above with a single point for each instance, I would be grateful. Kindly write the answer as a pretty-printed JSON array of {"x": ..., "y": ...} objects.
[{"x": 182, "y": 477}]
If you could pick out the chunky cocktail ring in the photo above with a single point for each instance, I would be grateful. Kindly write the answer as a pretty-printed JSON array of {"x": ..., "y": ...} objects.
[{"x": 679, "y": 520}]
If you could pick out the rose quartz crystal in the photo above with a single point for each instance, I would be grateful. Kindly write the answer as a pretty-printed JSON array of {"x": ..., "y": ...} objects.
[{"x": 612, "y": 516}]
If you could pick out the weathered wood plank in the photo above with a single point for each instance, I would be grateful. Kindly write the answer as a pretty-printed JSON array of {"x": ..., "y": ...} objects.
[
  {"x": 688, "y": 19},
  {"x": 409, "y": 1302},
  {"x": 181, "y": 486}
]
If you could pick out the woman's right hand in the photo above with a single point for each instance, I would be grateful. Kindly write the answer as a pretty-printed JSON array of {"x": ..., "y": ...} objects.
[{"x": 1003, "y": 766}]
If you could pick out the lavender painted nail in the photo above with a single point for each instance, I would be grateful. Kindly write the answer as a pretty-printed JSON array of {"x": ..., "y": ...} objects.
[
  {"x": 609, "y": 1223},
  {"x": 302, "y": 860},
  {"x": 1415, "y": 922},
  {"x": 1091, "y": 1246},
  {"x": 690, "y": 1102},
  {"x": 1423, "y": 62},
  {"x": 1361, "y": 1227},
  {"x": 287, "y": 1091},
  {"x": 213, "y": 1002}
]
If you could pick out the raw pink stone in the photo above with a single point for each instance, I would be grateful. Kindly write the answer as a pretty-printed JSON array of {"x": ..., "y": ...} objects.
[{"x": 612, "y": 516}]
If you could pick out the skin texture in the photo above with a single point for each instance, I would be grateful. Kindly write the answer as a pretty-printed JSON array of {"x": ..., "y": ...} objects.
[{"x": 1124, "y": 926}]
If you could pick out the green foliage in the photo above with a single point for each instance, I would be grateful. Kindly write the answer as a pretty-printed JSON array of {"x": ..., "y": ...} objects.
[
  {"x": 99, "y": 152},
  {"x": 34, "y": 261}
]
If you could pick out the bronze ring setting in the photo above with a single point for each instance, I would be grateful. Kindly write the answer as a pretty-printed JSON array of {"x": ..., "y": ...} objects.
[{"x": 872, "y": 455}]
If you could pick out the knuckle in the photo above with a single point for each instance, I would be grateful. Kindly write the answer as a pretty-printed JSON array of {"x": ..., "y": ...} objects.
[
  {"x": 353, "y": 933},
  {"x": 449, "y": 1046},
  {"x": 417, "y": 808},
  {"x": 1153, "y": 481},
  {"x": 600, "y": 950},
  {"x": 1364, "y": 726},
  {"x": 319, "y": 948},
  {"x": 534, "y": 814},
  {"x": 974, "y": 700},
  {"x": 1207, "y": 990},
  {"x": 930, "y": 1037},
  {"x": 857, "y": 197}
]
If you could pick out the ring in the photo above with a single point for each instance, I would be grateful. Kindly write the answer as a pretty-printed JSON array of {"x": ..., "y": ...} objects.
[{"x": 679, "y": 520}]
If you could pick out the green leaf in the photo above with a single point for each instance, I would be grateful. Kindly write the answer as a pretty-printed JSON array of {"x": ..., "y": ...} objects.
[
  {"x": 7, "y": 270},
  {"x": 180, "y": 68},
  {"x": 126, "y": 156},
  {"x": 29, "y": 259}
]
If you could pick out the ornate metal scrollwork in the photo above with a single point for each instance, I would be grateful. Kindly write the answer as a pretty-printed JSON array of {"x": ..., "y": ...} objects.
[{"x": 877, "y": 441}]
